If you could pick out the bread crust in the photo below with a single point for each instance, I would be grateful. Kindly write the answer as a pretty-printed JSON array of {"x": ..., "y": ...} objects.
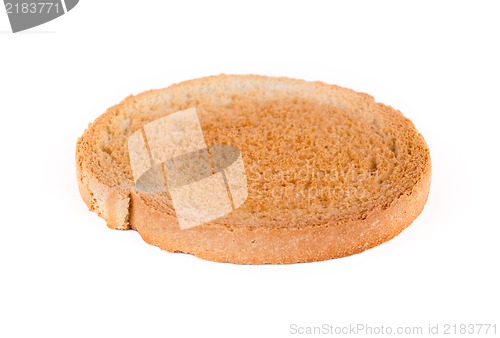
[
  {"x": 124, "y": 207},
  {"x": 282, "y": 245}
]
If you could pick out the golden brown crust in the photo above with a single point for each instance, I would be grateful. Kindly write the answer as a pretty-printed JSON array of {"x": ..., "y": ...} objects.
[
  {"x": 282, "y": 246},
  {"x": 113, "y": 196}
]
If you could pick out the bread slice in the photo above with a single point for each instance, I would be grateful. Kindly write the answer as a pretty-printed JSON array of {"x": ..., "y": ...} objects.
[{"x": 330, "y": 172}]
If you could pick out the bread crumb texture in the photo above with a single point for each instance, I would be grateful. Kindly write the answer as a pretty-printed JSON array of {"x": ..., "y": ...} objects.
[{"x": 330, "y": 171}]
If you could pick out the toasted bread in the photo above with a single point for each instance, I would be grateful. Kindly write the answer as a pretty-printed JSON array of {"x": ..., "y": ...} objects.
[{"x": 330, "y": 171}]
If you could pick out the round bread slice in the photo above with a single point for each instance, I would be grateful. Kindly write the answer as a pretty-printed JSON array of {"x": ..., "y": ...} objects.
[{"x": 330, "y": 172}]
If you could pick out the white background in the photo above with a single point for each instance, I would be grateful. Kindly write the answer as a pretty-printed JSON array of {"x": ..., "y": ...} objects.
[{"x": 65, "y": 274}]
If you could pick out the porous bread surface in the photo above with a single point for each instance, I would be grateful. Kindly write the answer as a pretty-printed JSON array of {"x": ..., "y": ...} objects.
[{"x": 330, "y": 172}]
